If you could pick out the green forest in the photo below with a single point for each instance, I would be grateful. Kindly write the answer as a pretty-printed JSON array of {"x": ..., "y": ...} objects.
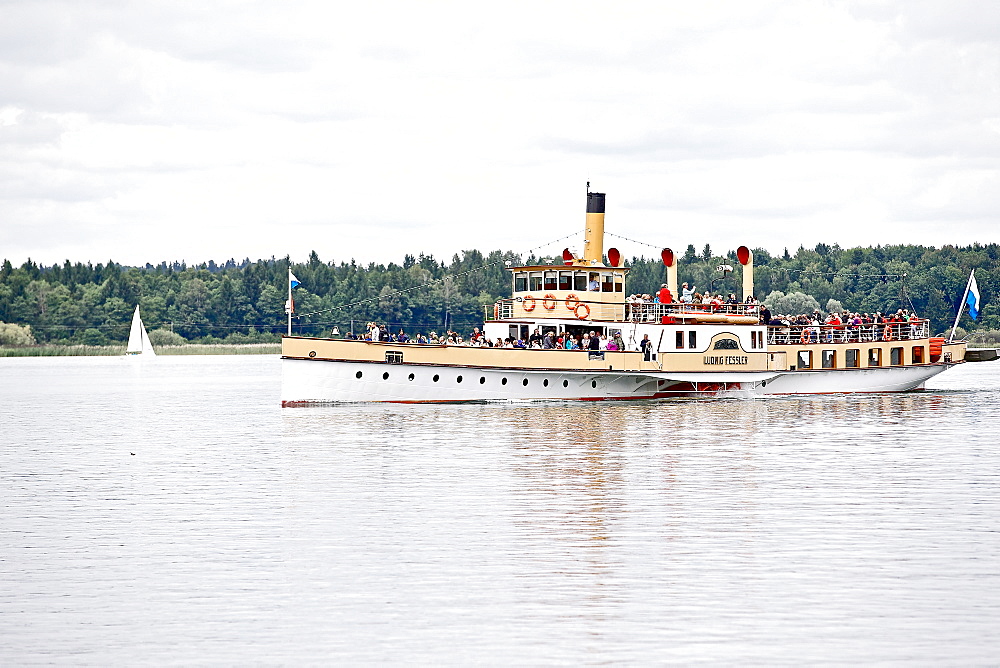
[{"x": 244, "y": 302}]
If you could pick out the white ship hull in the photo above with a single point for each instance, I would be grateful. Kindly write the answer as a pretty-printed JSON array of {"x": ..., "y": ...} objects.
[{"x": 307, "y": 382}]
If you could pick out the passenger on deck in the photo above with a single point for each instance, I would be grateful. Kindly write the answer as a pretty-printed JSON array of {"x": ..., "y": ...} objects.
[
  {"x": 594, "y": 343},
  {"x": 570, "y": 343},
  {"x": 548, "y": 341},
  {"x": 618, "y": 341},
  {"x": 646, "y": 346},
  {"x": 536, "y": 337},
  {"x": 664, "y": 296},
  {"x": 687, "y": 294},
  {"x": 593, "y": 286}
]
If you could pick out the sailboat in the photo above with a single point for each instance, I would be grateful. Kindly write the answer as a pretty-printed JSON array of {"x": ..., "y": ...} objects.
[{"x": 138, "y": 339}]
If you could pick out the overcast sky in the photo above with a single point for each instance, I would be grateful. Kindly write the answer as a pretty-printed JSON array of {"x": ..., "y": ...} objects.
[{"x": 148, "y": 131}]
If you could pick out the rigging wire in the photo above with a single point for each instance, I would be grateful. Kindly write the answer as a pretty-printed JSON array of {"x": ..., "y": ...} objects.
[{"x": 430, "y": 282}]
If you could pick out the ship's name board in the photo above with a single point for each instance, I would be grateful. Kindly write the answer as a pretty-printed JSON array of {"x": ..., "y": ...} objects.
[{"x": 727, "y": 359}]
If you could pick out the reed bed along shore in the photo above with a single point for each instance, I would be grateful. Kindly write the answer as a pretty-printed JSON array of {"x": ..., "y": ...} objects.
[{"x": 187, "y": 349}]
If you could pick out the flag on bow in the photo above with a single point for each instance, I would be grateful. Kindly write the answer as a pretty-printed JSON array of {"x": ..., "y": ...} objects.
[{"x": 292, "y": 281}]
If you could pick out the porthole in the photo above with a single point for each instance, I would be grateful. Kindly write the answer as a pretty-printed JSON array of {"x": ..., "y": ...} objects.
[
  {"x": 358, "y": 375},
  {"x": 312, "y": 353},
  {"x": 503, "y": 381},
  {"x": 593, "y": 383},
  {"x": 385, "y": 376},
  {"x": 458, "y": 380},
  {"x": 525, "y": 382},
  {"x": 411, "y": 376},
  {"x": 482, "y": 379},
  {"x": 565, "y": 383},
  {"x": 545, "y": 383},
  {"x": 436, "y": 378}
]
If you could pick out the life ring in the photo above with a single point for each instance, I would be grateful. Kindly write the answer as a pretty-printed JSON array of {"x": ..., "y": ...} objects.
[
  {"x": 805, "y": 336},
  {"x": 496, "y": 311},
  {"x": 887, "y": 333},
  {"x": 583, "y": 306},
  {"x": 572, "y": 301},
  {"x": 549, "y": 299},
  {"x": 529, "y": 306}
]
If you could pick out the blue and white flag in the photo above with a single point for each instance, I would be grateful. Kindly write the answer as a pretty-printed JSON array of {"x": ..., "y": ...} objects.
[
  {"x": 972, "y": 298},
  {"x": 292, "y": 281}
]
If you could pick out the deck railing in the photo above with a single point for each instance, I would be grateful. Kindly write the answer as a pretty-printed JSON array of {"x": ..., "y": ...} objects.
[
  {"x": 864, "y": 333},
  {"x": 654, "y": 312}
]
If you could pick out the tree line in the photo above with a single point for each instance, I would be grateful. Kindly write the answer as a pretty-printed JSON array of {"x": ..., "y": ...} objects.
[{"x": 245, "y": 301}]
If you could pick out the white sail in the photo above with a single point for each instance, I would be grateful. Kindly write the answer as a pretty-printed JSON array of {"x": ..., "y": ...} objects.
[{"x": 138, "y": 339}]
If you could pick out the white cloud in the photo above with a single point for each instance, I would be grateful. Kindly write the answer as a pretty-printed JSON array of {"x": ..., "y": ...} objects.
[{"x": 160, "y": 131}]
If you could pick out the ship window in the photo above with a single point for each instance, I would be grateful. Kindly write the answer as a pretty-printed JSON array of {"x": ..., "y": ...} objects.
[
  {"x": 851, "y": 358},
  {"x": 829, "y": 359},
  {"x": 436, "y": 378},
  {"x": 520, "y": 281},
  {"x": 394, "y": 357},
  {"x": 385, "y": 376},
  {"x": 525, "y": 382},
  {"x": 593, "y": 384},
  {"x": 513, "y": 331},
  {"x": 358, "y": 375},
  {"x": 551, "y": 280},
  {"x": 482, "y": 379},
  {"x": 606, "y": 283},
  {"x": 895, "y": 356},
  {"x": 679, "y": 340},
  {"x": 458, "y": 380},
  {"x": 726, "y": 344},
  {"x": 565, "y": 383},
  {"x": 619, "y": 282},
  {"x": 503, "y": 381},
  {"x": 692, "y": 339},
  {"x": 411, "y": 376},
  {"x": 874, "y": 357},
  {"x": 580, "y": 280},
  {"x": 545, "y": 383},
  {"x": 917, "y": 355},
  {"x": 565, "y": 280},
  {"x": 805, "y": 359},
  {"x": 535, "y": 280}
]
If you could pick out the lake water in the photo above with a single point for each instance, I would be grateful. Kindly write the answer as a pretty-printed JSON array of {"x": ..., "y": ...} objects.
[{"x": 171, "y": 513}]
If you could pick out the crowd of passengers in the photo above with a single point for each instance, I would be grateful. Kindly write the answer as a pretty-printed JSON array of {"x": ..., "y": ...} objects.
[
  {"x": 846, "y": 326},
  {"x": 663, "y": 296},
  {"x": 549, "y": 340}
]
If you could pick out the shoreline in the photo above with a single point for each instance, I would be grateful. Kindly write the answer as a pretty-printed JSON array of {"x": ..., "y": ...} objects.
[{"x": 119, "y": 350}]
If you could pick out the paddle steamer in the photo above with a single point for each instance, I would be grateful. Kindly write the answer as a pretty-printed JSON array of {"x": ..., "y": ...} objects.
[{"x": 696, "y": 350}]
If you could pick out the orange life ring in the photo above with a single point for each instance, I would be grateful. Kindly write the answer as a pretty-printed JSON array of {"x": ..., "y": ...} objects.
[
  {"x": 549, "y": 299},
  {"x": 529, "y": 307},
  {"x": 576, "y": 311},
  {"x": 887, "y": 333},
  {"x": 572, "y": 301},
  {"x": 496, "y": 311},
  {"x": 805, "y": 336}
]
